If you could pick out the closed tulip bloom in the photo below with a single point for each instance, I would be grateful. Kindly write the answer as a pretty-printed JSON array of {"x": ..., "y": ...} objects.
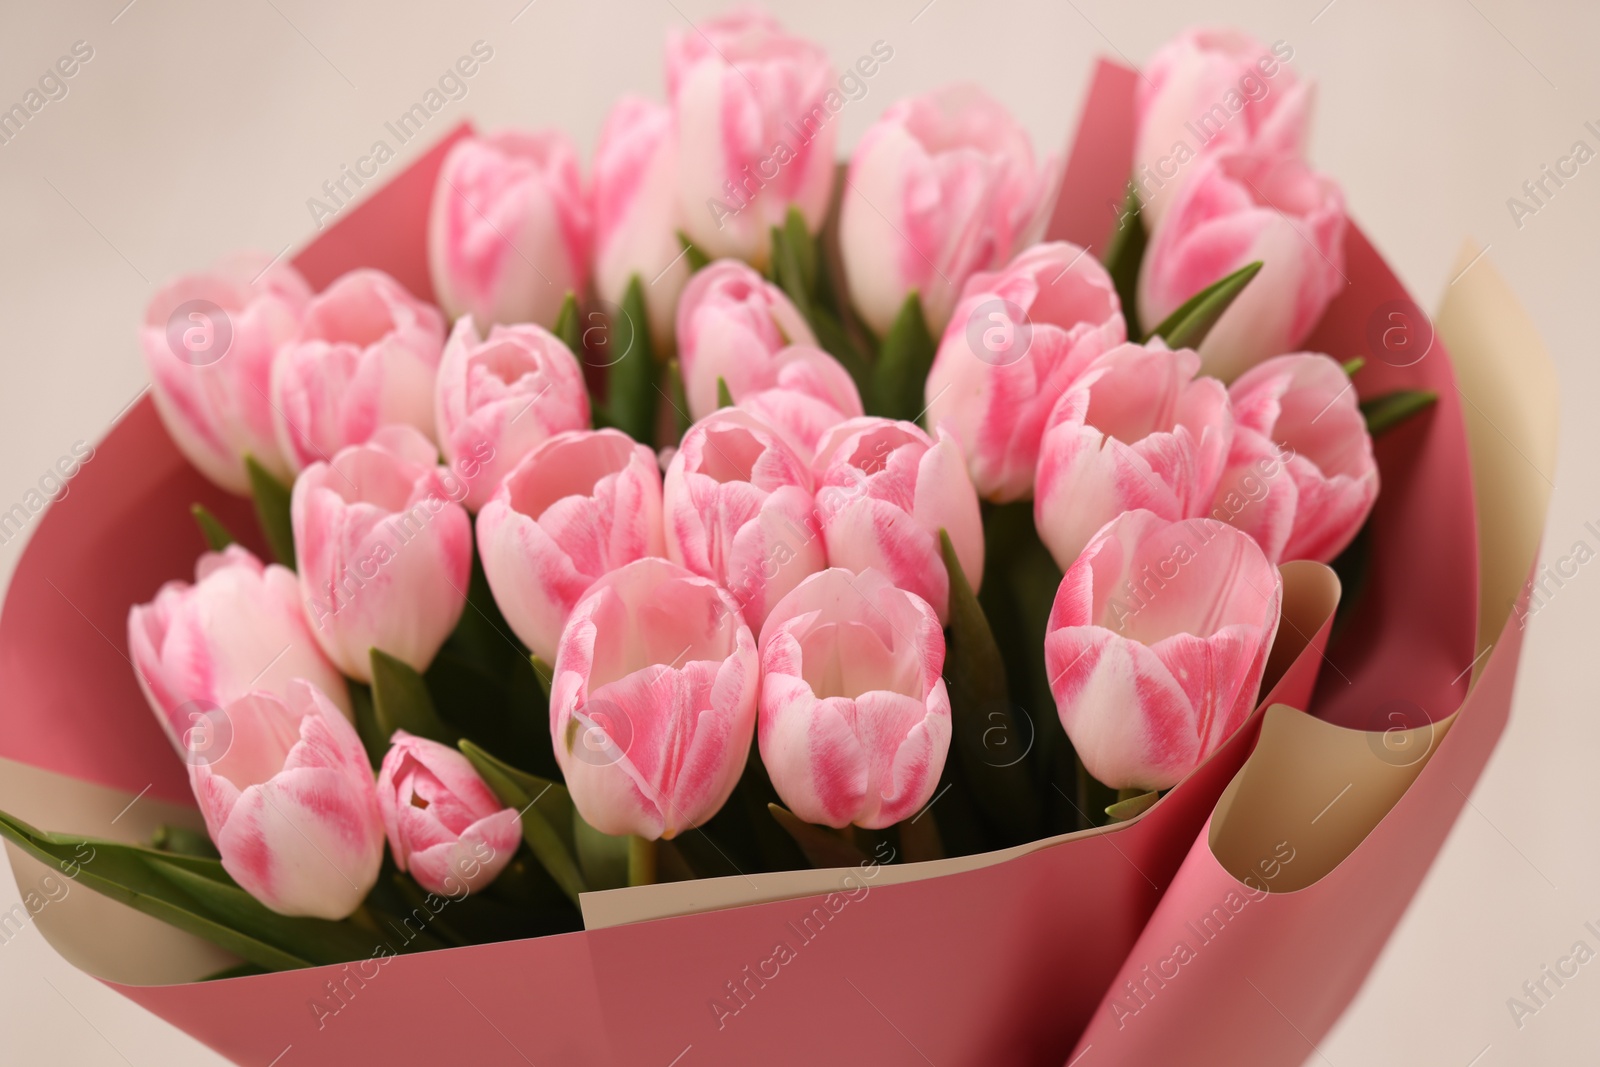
[
  {"x": 942, "y": 186},
  {"x": 653, "y": 704},
  {"x": 732, "y": 322},
  {"x": 576, "y": 508},
  {"x": 509, "y": 230},
  {"x": 1208, "y": 89},
  {"x": 498, "y": 397},
  {"x": 385, "y": 551},
  {"x": 1016, "y": 340},
  {"x": 1156, "y": 645},
  {"x": 366, "y": 356},
  {"x": 737, "y": 508},
  {"x": 755, "y": 114},
  {"x": 884, "y": 491},
  {"x": 237, "y": 629},
  {"x": 290, "y": 804},
  {"x": 209, "y": 340},
  {"x": 1136, "y": 430},
  {"x": 445, "y": 825},
  {"x": 1238, "y": 208},
  {"x": 636, "y": 216},
  {"x": 855, "y": 720},
  {"x": 1301, "y": 478},
  {"x": 802, "y": 392}
]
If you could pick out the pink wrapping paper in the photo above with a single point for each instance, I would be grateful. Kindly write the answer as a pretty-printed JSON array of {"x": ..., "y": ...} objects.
[{"x": 1003, "y": 964}]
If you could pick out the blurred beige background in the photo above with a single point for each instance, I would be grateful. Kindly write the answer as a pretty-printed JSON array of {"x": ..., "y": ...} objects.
[{"x": 197, "y": 128}]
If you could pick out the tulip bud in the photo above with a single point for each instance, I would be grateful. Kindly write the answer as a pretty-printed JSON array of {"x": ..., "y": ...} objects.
[
  {"x": 1208, "y": 89},
  {"x": 290, "y": 804},
  {"x": 1017, "y": 338},
  {"x": 1237, "y": 208},
  {"x": 385, "y": 551},
  {"x": 508, "y": 232},
  {"x": 445, "y": 826},
  {"x": 1301, "y": 478},
  {"x": 731, "y": 324},
  {"x": 209, "y": 340},
  {"x": 501, "y": 396},
  {"x": 802, "y": 392},
  {"x": 238, "y": 629},
  {"x": 1135, "y": 430},
  {"x": 1156, "y": 645},
  {"x": 577, "y": 507},
  {"x": 636, "y": 218},
  {"x": 855, "y": 720},
  {"x": 884, "y": 491},
  {"x": 366, "y": 356},
  {"x": 755, "y": 134},
  {"x": 943, "y": 185},
  {"x": 653, "y": 705},
  {"x": 738, "y": 509}
]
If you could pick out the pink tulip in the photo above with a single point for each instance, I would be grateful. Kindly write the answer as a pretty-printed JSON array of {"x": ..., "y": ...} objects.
[
  {"x": 445, "y": 826},
  {"x": 1300, "y": 478},
  {"x": 208, "y": 340},
  {"x": 237, "y": 629},
  {"x": 1157, "y": 643},
  {"x": 653, "y": 705},
  {"x": 942, "y": 186},
  {"x": 1016, "y": 340},
  {"x": 731, "y": 324},
  {"x": 366, "y": 356},
  {"x": 1136, "y": 430},
  {"x": 636, "y": 216},
  {"x": 802, "y": 392},
  {"x": 290, "y": 803},
  {"x": 855, "y": 720},
  {"x": 1237, "y": 208},
  {"x": 1208, "y": 89},
  {"x": 509, "y": 229},
  {"x": 755, "y": 110},
  {"x": 385, "y": 550},
  {"x": 737, "y": 508},
  {"x": 884, "y": 491},
  {"x": 499, "y": 397},
  {"x": 577, "y": 507}
]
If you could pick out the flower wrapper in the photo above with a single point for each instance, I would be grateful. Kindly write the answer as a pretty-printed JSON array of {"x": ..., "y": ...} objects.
[{"x": 974, "y": 959}]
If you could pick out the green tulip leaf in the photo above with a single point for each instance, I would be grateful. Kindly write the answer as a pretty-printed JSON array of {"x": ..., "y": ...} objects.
[
  {"x": 980, "y": 710},
  {"x": 680, "y": 401},
  {"x": 182, "y": 840},
  {"x": 903, "y": 363},
  {"x": 603, "y": 858},
  {"x": 567, "y": 326},
  {"x": 547, "y": 816},
  {"x": 1125, "y": 254},
  {"x": 400, "y": 701},
  {"x": 1127, "y": 807},
  {"x": 1385, "y": 412},
  {"x": 211, "y": 528},
  {"x": 272, "y": 509},
  {"x": 697, "y": 259},
  {"x": 1188, "y": 326},
  {"x": 631, "y": 390},
  {"x": 194, "y": 894},
  {"x": 797, "y": 236}
]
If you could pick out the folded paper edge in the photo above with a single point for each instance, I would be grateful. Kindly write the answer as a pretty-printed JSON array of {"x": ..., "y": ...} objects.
[{"x": 1505, "y": 375}]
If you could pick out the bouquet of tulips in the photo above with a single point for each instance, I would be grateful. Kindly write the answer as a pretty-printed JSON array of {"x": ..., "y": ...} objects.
[{"x": 726, "y": 510}]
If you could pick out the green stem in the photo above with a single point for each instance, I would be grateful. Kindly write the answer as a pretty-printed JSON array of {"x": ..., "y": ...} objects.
[{"x": 641, "y": 861}]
